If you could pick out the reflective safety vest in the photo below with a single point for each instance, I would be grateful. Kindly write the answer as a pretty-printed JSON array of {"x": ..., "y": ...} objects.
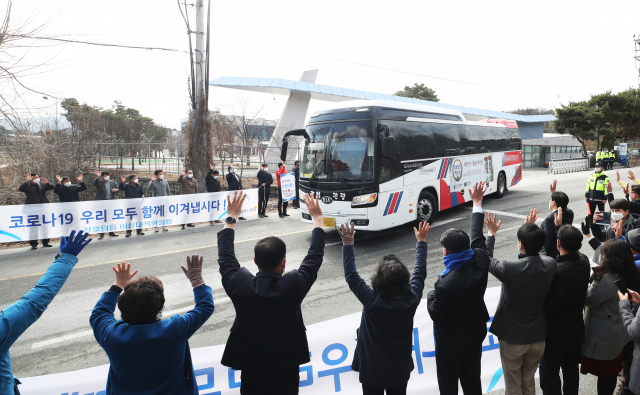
[
  {"x": 598, "y": 155},
  {"x": 597, "y": 186}
]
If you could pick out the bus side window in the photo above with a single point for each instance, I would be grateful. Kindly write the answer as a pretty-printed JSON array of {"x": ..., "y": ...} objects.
[
  {"x": 390, "y": 167},
  {"x": 416, "y": 140},
  {"x": 446, "y": 139}
]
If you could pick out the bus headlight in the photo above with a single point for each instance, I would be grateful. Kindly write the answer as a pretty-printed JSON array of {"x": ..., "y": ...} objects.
[{"x": 364, "y": 199}]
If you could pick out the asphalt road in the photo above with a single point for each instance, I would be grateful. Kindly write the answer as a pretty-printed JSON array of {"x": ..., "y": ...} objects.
[{"x": 62, "y": 340}]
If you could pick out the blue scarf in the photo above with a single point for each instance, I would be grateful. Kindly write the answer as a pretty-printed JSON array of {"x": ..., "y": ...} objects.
[{"x": 452, "y": 261}]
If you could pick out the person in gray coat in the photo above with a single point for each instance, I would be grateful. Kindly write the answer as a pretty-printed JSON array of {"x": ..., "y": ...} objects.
[
  {"x": 520, "y": 322},
  {"x": 159, "y": 187},
  {"x": 631, "y": 323},
  {"x": 605, "y": 333},
  {"x": 105, "y": 190}
]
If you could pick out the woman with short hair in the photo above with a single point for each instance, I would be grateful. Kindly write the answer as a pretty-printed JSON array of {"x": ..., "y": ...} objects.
[
  {"x": 605, "y": 333},
  {"x": 385, "y": 337},
  {"x": 149, "y": 355}
]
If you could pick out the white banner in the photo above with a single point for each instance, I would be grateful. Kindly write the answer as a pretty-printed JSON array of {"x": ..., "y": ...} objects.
[
  {"x": 331, "y": 343},
  {"x": 44, "y": 221},
  {"x": 288, "y": 186}
]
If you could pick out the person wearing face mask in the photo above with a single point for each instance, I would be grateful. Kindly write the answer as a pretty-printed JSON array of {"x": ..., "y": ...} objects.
[
  {"x": 234, "y": 182},
  {"x": 189, "y": 186},
  {"x": 105, "y": 190},
  {"x": 35, "y": 190},
  {"x": 158, "y": 186},
  {"x": 619, "y": 211},
  {"x": 595, "y": 194},
  {"x": 282, "y": 206},
  {"x": 265, "y": 179},
  {"x": 68, "y": 192},
  {"x": 631, "y": 192},
  {"x": 520, "y": 321},
  {"x": 132, "y": 190},
  {"x": 213, "y": 185},
  {"x": 148, "y": 354},
  {"x": 557, "y": 202}
]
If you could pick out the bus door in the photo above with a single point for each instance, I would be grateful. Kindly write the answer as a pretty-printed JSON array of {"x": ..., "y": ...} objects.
[{"x": 390, "y": 199}]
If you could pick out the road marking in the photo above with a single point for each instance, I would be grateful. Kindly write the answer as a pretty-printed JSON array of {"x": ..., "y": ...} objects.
[
  {"x": 153, "y": 255},
  {"x": 61, "y": 339}
]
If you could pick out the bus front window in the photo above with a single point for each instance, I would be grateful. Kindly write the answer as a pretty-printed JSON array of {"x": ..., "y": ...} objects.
[{"x": 339, "y": 152}]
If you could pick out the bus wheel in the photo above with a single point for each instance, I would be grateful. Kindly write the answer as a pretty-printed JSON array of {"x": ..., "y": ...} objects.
[
  {"x": 502, "y": 186},
  {"x": 427, "y": 207}
]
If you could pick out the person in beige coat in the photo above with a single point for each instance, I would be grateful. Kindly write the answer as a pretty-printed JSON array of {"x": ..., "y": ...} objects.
[
  {"x": 189, "y": 186},
  {"x": 605, "y": 334}
]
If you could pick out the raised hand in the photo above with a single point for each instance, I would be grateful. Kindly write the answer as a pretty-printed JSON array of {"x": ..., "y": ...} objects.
[
  {"x": 552, "y": 187},
  {"x": 44, "y": 180},
  {"x": 347, "y": 232},
  {"x": 631, "y": 176},
  {"x": 153, "y": 178},
  {"x": 193, "y": 271},
  {"x": 234, "y": 207},
  {"x": 313, "y": 206},
  {"x": 617, "y": 227},
  {"x": 617, "y": 176},
  {"x": 74, "y": 246},
  {"x": 183, "y": 173},
  {"x": 422, "y": 231},
  {"x": 491, "y": 223},
  {"x": 122, "y": 178},
  {"x": 58, "y": 178},
  {"x": 211, "y": 166},
  {"x": 97, "y": 173},
  {"x": 557, "y": 217},
  {"x": 29, "y": 178},
  {"x": 586, "y": 226},
  {"x": 532, "y": 217},
  {"x": 609, "y": 188},
  {"x": 625, "y": 189},
  {"x": 478, "y": 193},
  {"x": 123, "y": 274},
  {"x": 114, "y": 190},
  {"x": 80, "y": 177}
]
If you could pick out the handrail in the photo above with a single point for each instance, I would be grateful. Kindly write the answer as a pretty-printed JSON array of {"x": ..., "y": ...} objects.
[{"x": 568, "y": 165}]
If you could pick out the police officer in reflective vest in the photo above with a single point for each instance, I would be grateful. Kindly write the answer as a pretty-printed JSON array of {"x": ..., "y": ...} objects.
[{"x": 596, "y": 193}]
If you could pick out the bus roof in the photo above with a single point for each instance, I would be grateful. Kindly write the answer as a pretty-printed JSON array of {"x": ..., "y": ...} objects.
[
  {"x": 506, "y": 122},
  {"x": 395, "y": 105}
]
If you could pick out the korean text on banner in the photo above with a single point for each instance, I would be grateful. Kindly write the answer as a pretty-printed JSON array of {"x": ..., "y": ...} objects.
[
  {"x": 331, "y": 344},
  {"x": 45, "y": 221},
  {"x": 288, "y": 186}
]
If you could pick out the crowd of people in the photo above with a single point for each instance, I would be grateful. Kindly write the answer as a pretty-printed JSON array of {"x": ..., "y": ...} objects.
[
  {"x": 555, "y": 313},
  {"x": 35, "y": 189}
]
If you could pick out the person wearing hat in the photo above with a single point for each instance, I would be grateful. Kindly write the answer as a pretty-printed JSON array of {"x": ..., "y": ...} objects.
[{"x": 595, "y": 194}]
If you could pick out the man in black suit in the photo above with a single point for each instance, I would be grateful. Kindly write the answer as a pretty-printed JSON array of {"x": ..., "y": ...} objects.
[
  {"x": 106, "y": 189},
  {"x": 457, "y": 307},
  {"x": 296, "y": 172},
  {"x": 268, "y": 341},
  {"x": 234, "y": 182},
  {"x": 68, "y": 192},
  {"x": 520, "y": 321},
  {"x": 213, "y": 185},
  {"x": 35, "y": 190},
  {"x": 265, "y": 179},
  {"x": 557, "y": 201}
]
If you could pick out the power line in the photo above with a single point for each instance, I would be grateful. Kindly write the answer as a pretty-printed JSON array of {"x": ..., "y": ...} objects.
[{"x": 96, "y": 44}]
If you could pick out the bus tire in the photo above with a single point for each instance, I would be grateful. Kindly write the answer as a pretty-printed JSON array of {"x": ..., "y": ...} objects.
[
  {"x": 501, "y": 186},
  {"x": 427, "y": 207}
]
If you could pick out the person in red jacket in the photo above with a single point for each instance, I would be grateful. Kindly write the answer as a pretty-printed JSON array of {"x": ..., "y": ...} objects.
[{"x": 282, "y": 208}]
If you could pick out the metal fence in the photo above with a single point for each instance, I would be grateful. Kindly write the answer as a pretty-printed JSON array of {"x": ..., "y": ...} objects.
[{"x": 568, "y": 165}]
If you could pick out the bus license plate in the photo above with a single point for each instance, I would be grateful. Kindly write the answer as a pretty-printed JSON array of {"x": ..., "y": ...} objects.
[{"x": 329, "y": 222}]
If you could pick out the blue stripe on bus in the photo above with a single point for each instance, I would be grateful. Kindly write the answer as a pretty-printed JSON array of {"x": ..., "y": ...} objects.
[
  {"x": 398, "y": 202},
  {"x": 386, "y": 210},
  {"x": 440, "y": 171}
]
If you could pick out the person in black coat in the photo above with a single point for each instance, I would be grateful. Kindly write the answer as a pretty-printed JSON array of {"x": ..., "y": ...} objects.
[
  {"x": 296, "y": 172},
  {"x": 35, "y": 190},
  {"x": 211, "y": 179},
  {"x": 384, "y": 344},
  {"x": 106, "y": 189},
  {"x": 68, "y": 192},
  {"x": 234, "y": 182},
  {"x": 132, "y": 190},
  {"x": 558, "y": 200},
  {"x": 564, "y": 308},
  {"x": 265, "y": 179},
  {"x": 457, "y": 307},
  {"x": 268, "y": 340}
]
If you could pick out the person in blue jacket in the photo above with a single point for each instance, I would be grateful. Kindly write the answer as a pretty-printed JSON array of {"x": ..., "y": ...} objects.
[
  {"x": 149, "y": 355},
  {"x": 16, "y": 318},
  {"x": 385, "y": 337}
]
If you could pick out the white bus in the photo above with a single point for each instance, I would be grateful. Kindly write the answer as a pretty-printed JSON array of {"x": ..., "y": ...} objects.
[{"x": 381, "y": 164}]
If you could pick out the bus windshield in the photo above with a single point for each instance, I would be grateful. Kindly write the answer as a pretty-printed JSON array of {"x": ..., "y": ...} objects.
[{"x": 339, "y": 152}]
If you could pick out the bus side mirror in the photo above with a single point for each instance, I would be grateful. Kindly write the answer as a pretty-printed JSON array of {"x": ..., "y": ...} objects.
[
  {"x": 283, "y": 153},
  {"x": 384, "y": 129},
  {"x": 387, "y": 147}
]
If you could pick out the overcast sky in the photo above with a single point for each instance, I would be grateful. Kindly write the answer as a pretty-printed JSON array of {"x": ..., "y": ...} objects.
[{"x": 512, "y": 54}]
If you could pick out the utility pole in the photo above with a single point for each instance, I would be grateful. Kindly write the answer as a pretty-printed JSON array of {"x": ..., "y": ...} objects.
[{"x": 200, "y": 54}]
